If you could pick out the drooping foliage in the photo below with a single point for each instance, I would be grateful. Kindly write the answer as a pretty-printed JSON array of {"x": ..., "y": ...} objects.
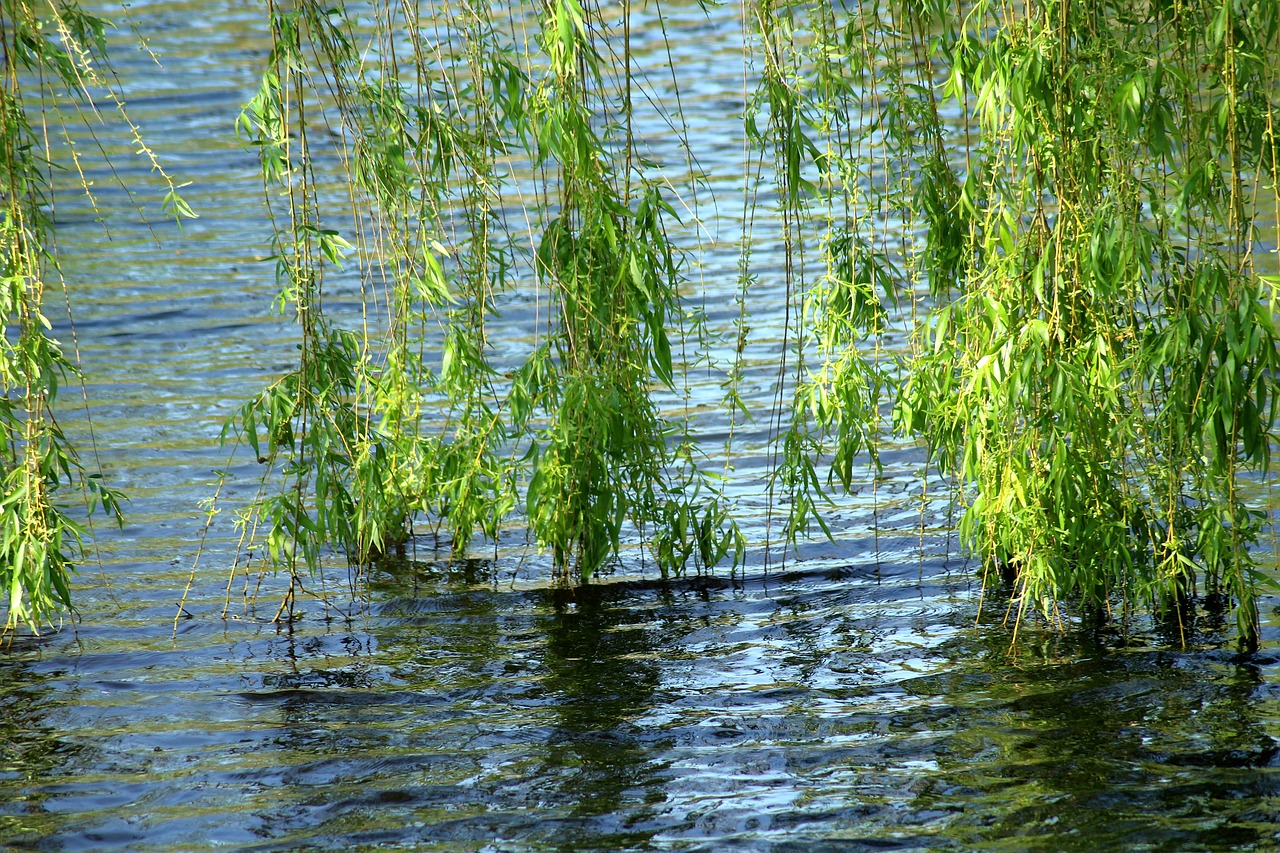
[
  {"x": 51, "y": 53},
  {"x": 1066, "y": 194},
  {"x": 407, "y": 416},
  {"x": 1098, "y": 366},
  {"x": 1064, "y": 207}
]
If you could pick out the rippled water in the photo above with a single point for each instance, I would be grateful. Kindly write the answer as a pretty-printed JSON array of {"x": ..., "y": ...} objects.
[{"x": 853, "y": 699}]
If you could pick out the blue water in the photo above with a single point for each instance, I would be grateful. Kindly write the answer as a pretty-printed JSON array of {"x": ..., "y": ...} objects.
[{"x": 858, "y": 696}]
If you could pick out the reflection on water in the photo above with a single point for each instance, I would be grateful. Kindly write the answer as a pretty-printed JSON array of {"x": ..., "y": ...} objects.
[
  {"x": 1170, "y": 748},
  {"x": 601, "y": 675},
  {"x": 821, "y": 709},
  {"x": 844, "y": 701},
  {"x": 31, "y": 749}
]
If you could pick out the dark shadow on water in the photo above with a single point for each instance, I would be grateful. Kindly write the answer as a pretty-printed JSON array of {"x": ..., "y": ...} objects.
[
  {"x": 601, "y": 677},
  {"x": 34, "y": 752},
  {"x": 469, "y": 713},
  {"x": 819, "y": 708},
  {"x": 1071, "y": 743}
]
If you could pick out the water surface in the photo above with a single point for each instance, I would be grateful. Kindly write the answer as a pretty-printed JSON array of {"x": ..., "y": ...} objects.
[{"x": 859, "y": 697}]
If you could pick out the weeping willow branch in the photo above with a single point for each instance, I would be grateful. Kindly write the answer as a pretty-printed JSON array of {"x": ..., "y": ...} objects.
[
  {"x": 1058, "y": 200},
  {"x": 46, "y": 50}
]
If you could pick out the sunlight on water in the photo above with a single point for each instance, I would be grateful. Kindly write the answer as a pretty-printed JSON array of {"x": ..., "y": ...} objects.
[{"x": 852, "y": 697}]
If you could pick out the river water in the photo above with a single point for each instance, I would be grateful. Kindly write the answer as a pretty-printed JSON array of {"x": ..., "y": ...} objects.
[{"x": 854, "y": 697}]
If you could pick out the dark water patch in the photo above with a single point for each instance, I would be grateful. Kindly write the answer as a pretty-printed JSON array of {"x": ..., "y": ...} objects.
[{"x": 540, "y": 719}]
